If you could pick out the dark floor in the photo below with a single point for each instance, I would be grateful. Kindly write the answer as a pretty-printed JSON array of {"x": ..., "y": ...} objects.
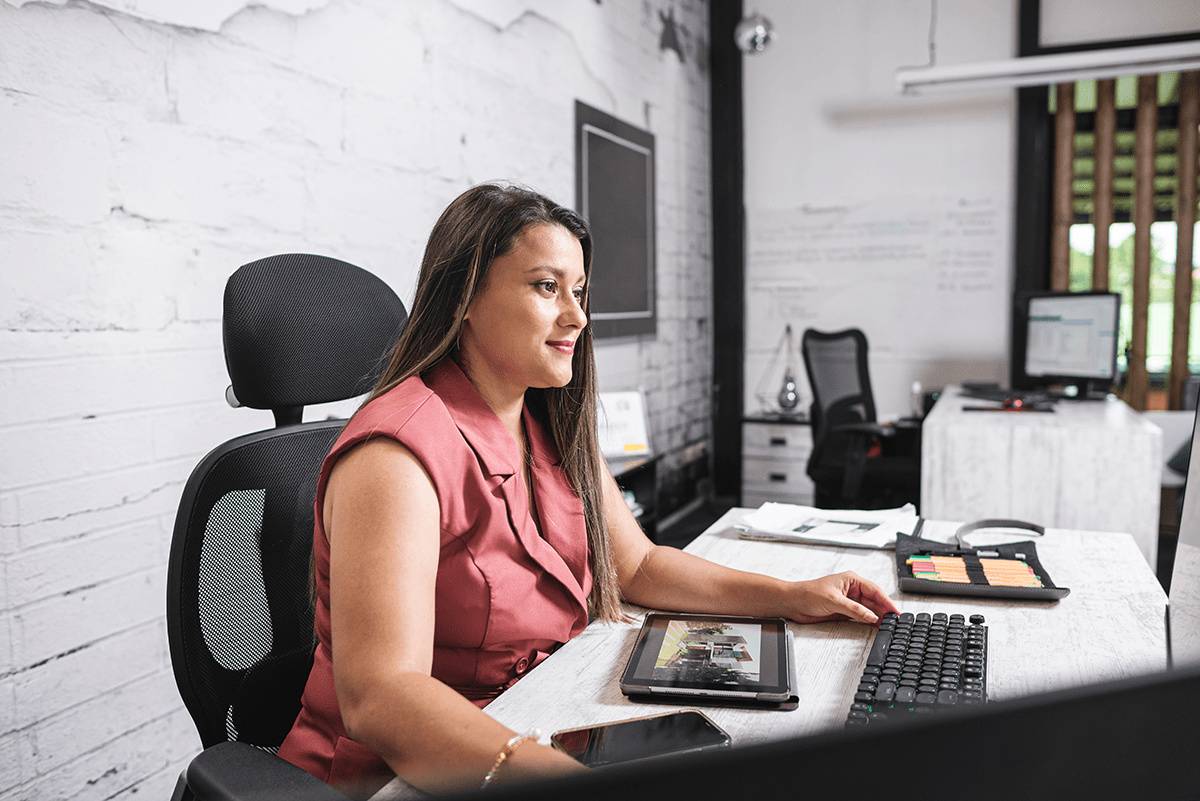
[{"x": 691, "y": 525}]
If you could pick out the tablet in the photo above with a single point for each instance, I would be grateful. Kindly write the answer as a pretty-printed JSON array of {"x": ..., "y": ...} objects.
[{"x": 711, "y": 656}]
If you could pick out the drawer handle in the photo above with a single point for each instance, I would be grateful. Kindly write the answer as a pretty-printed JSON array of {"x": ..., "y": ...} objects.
[
  {"x": 777, "y": 476},
  {"x": 779, "y": 440}
]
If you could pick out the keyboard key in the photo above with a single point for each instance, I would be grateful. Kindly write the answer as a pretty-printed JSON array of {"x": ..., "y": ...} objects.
[
  {"x": 905, "y": 695},
  {"x": 882, "y": 640}
]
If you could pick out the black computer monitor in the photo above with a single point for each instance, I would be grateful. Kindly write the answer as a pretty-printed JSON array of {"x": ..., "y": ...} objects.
[
  {"x": 1134, "y": 738},
  {"x": 1183, "y": 629},
  {"x": 1066, "y": 339}
]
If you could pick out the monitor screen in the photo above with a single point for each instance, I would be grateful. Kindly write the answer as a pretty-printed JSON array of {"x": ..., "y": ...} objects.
[{"x": 1066, "y": 338}]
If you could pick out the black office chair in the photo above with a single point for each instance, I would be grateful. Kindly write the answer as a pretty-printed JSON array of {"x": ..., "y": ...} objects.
[
  {"x": 856, "y": 462},
  {"x": 297, "y": 330}
]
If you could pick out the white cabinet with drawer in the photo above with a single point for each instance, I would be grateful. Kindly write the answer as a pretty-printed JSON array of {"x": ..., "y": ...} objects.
[{"x": 774, "y": 457}]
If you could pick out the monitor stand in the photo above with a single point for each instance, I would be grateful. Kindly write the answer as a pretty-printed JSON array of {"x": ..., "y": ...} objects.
[{"x": 1094, "y": 389}]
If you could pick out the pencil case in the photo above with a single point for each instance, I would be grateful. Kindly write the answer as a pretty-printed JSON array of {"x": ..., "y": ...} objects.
[{"x": 993, "y": 571}]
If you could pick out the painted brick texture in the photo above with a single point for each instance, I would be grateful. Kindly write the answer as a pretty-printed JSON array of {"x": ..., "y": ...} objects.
[{"x": 146, "y": 154}]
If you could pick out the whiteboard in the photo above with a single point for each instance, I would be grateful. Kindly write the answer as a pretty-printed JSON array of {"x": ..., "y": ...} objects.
[{"x": 925, "y": 278}]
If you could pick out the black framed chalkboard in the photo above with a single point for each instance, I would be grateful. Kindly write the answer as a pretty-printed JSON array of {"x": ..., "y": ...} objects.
[{"x": 614, "y": 185}]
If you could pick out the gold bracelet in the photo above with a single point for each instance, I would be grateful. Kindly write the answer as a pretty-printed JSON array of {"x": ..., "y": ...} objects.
[{"x": 504, "y": 754}]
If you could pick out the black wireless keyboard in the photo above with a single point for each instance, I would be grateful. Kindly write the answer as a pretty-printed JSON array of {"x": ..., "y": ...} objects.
[{"x": 920, "y": 664}]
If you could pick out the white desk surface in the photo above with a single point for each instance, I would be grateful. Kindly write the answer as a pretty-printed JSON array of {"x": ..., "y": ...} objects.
[
  {"x": 1094, "y": 465},
  {"x": 1110, "y": 626}
]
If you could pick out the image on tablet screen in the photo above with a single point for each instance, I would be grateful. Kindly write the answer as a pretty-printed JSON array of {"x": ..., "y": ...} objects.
[{"x": 720, "y": 652}]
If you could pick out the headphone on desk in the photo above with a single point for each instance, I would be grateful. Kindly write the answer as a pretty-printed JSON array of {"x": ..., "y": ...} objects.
[{"x": 995, "y": 522}]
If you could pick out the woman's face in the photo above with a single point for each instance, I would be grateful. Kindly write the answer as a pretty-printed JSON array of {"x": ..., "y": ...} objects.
[{"x": 521, "y": 328}]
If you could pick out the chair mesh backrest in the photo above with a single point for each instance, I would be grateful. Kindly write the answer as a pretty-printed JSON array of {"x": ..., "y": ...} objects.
[
  {"x": 239, "y": 617},
  {"x": 836, "y": 364},
  {"x": 281, "y": 354}
]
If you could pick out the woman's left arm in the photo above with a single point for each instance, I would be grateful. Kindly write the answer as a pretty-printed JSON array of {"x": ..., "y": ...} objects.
[{"x": 661, "y": 577}]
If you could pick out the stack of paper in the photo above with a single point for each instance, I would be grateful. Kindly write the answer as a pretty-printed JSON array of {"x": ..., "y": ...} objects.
[{"x": 785, "y": 522}]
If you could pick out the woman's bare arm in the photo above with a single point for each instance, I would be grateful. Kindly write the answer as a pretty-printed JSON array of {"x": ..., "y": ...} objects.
[
  {"x": 382, "y": 518},
  {"x": 667, "y": 578}
]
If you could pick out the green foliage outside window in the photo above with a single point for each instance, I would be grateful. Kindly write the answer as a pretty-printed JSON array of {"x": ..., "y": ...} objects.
[{"x": 1162, "y": 288}]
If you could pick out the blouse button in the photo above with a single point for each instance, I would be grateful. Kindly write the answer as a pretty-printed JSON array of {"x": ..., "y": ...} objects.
[{"x": 522, "y": 665}]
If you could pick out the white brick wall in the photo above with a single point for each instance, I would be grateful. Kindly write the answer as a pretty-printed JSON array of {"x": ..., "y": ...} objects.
[{"x": 145, "y": 155}]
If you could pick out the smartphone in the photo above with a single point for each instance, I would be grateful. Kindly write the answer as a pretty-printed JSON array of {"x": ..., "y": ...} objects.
[{"x": 640, "y": 738}]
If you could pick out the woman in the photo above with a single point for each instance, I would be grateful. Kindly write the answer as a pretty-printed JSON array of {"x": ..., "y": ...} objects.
[{"x": 466, "y": 524}]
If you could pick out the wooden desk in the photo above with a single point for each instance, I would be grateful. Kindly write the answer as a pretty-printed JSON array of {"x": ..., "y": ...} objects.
[
  {"x": 1111, "y": 626},
  {"x": 1090, "y": 465}
]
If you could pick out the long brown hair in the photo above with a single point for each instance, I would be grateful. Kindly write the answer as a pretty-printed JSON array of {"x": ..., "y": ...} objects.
[{"x": 480, "y": 225}]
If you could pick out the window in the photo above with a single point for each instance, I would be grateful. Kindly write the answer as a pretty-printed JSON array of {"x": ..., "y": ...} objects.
[
  {"x": 1107, "y": 168},
  {"x": 1077, "y": 177}
]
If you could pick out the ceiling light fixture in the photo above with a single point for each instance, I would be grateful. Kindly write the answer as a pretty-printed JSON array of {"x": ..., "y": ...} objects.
[{"x": 1049, "y": 69}]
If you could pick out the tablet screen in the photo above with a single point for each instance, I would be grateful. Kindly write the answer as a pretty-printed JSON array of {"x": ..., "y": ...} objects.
[{"x": 710, "y": 652}]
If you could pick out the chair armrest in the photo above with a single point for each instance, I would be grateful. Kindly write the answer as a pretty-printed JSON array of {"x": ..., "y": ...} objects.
[
  {"x": 873, "y": 429},
  {"x": 236, "y": 771}
]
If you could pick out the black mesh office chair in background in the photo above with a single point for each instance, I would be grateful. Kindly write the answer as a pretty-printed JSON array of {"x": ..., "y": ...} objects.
[
  {"x": 298, "y": 330},
  {"x": 856, "y": 462}
]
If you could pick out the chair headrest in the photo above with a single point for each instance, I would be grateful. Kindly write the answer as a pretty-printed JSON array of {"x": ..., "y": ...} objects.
[{"x": 301, "y": 329}]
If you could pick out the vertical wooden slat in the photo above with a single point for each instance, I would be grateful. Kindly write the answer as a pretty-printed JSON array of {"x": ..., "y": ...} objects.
[
  {"x": 1064, "y": 174},
  {"x": 1102, "y": 199},
  {"x": 1185, "y": 219},
  {"x": 1138, "y": 385}
]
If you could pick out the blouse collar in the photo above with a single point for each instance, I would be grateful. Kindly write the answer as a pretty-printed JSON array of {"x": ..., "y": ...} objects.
[{"x": 497, "y": 451}]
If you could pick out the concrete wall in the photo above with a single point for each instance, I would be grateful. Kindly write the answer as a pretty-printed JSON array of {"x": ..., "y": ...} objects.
[
  {"x": 147, "y": 150},
  {"x": 826, "y": 129}
]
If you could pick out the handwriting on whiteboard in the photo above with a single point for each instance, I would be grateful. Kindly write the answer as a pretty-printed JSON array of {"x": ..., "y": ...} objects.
[{"x": 921, "y": 275}]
